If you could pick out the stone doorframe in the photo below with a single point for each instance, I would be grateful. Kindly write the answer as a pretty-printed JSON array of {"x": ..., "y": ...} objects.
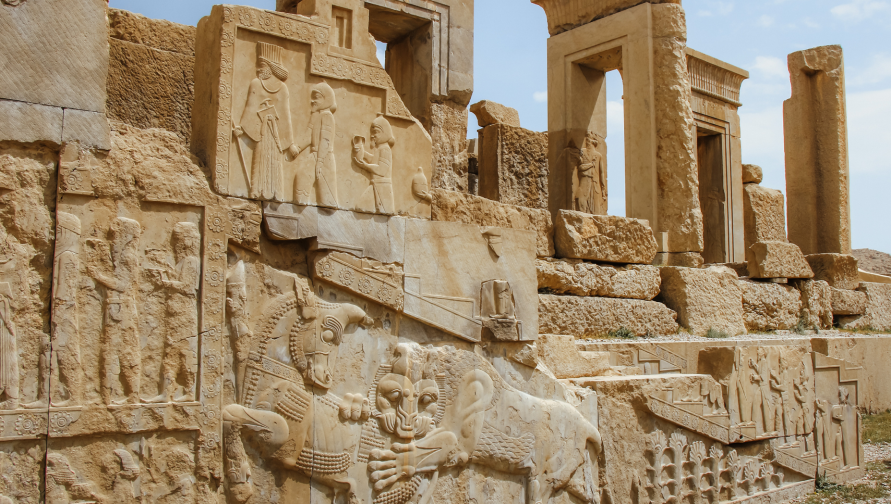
[{"x": 647, "y": 45}]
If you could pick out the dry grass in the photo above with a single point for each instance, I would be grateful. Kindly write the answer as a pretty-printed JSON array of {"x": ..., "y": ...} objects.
[
  {"x": 877, "y": 428},
  {"x": 875, "y": 488}
]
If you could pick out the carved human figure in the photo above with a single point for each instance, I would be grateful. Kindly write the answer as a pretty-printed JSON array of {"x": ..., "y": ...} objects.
[
  {"x": 825, "y": 432},
  {"x": 740, "y": 400},
  {"x": 123, "y": 488},
  {"x": 63, "y": 486},
  {"x": 590, "y": 195},
  {"x": 760, "y": 377},
  {"x": 66, "y": 330},
  {"x": 118, "y": 271},
  {"x": 378, "y": 162},
  {"x": 236, "y": 308},
  {"x": 9, "y": 360},
  {"x": 267, "y": 122},
  {"x": 779, "y": 384},
  {"x": 804, "y": 418},
  {"x": 182, "y": 283},
  {"x": 322, "y": 130},
  {"x": 846, "y": 428},
  {"x": 420, "y": 188}
]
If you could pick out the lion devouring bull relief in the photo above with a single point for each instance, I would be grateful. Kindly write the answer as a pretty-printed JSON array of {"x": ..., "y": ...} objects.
[{"x": 428, "y": 410}]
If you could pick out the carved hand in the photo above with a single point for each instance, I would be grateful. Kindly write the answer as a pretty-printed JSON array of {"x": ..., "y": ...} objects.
[
  {"x": 294, "y": 150},
  {"x": 389, "y": 466},
  {"x": 355, "y": 407},
  {"x": 238, "y": 131}
]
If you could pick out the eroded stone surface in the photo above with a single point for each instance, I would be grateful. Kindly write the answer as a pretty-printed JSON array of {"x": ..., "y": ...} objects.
[
  {"x": 596, "y": 316},
  {"x": 752, "y": 174},
  {"x": 878, "y": 309},
  {"x": 567, "y": 276},
  {"x": 603, "y": 238},
  {"x": 488, "y": 113},
  {"x": 513, "y": 166},
  {"x": 764, "y": 215},
  {"x": 704, "y": 299},
  {"x": 816, "y": 303},
  {"x": 777, "y": 260},
  {"x": 838, "y": 270},
  {"x": 681, "y": 259},
  {"x": 848, "y": 302},
  {"x": 769, "y": 306},
  {"x": 451, "y": 206}
]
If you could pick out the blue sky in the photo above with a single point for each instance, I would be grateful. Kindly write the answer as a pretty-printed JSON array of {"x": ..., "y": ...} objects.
[{"x": 510, "y": 68}]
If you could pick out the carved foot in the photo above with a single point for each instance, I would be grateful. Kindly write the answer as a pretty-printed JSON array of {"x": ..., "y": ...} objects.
[
  {"x": 184, "y": 398},
  {"x": 158, "y": 399},
  {"x": 35, "y": 405}
]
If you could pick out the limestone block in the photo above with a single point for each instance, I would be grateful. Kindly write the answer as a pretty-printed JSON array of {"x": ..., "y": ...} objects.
[
  {"x": 769, "y": 306},
  {"x": 377, "y": 237},
  {"x": 816, "y": 303},
  {"x": 450, "y": 206},
  {"x": 561, "y": 355},
  {"x": 488, "y": 113},
  {"x": 681, "y": 259},
  {"x": 848, "y": 302},
  {"x": 87, "y": 128},
  {"x": 584, "y": 317},
  {"x": 448, "y": 130},
  {"x": 148, "y": 86},
  {"x": 567, "y": 276},
  {"x": 818, "y": 179},
  {"x": 57, "y": 53},
  {"x": 156, "y": 33},
  {"x": 564, "y": 15},
  {"x": 866, "y": 276},
  {"x": 777, "y": 260},
  {"x": 603, "y": 238},
  {"x": 877, "y": 316},
  {"x": 838, "y": 270},
  {"x": 704, "y": 299},
  {"x": 764, "y": 214},
  {"x": 752, "y": 174},
  {"x": 357, "y": 149},
  {"x": 513, "y": 166},
  {"x": 492, "y": 279},
  {"x": 27, "y": 122}
]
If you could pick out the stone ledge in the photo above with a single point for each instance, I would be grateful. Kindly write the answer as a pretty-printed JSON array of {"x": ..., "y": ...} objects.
[{"x": 596, "y": 316}]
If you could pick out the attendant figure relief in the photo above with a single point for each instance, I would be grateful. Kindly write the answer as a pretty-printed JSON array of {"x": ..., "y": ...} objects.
[{"x": 378, "y": 163}]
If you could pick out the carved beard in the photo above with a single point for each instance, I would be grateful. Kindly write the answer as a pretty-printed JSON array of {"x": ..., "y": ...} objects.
[
  {"x": 423, "y": 426},
  {"x": 265, "y": 73},
  {"x": 388, "y": 422}
]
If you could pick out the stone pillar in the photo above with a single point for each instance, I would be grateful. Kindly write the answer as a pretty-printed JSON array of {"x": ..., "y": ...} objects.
[
  {"x": 817, "y": 178},
  {"x": 647, "y": 43}
]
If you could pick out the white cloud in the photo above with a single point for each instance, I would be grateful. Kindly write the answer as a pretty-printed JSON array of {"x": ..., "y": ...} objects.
[
  {"x": 765, "y": 21},
  {"x": 810, "y": 23},
  {"x": 868, "y": 137},
  {"x": 716, "y": 8},
  {"x": 771, "y": 67},
  {"x": 858, "y": 10},
  {"x": 878, "y": 71},
  {"x": 540, "y": 96}
]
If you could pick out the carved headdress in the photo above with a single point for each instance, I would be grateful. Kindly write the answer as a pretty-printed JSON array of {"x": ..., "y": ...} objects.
[
  {"x": 383, "y": 125},
  {"x": 328, "y": 100},
  {"x": 272, "y": 56}
]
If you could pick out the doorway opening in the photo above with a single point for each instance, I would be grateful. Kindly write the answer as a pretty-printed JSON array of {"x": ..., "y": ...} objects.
[{"x": 712, "y": 194}]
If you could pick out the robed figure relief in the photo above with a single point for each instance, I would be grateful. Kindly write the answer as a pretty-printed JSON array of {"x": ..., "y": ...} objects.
[
  {"x": 590, "y": 194},
  {"x": 378, "y": 162},
  {"x": 267, "y": 122},
  {"x": 320, "y": 141}
]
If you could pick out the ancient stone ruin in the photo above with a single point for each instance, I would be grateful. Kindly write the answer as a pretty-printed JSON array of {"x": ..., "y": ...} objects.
[{"x": 245, "y": 262}]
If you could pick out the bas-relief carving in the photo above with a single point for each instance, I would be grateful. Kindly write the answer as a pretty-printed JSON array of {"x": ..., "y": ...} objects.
[
  {"x": 288, "y": 114},
  {"x": 589, "y": 178}
]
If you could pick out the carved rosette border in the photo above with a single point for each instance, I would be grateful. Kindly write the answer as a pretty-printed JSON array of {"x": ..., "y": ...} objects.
[
  {"x": 689, "y": 420},
  {"x": 373, "y": 287}
]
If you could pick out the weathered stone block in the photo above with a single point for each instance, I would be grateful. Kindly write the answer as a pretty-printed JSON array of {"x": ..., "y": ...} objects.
[
  {"x": 838, "y": 270},
  {"x": 154, "y": 33},
  {"x": 513, "y": 166},
  {"x": 595, "y": 316},
  {"x": 585, "y": 279},
  {"x": 764, "y": 214},
  {"x": 752, "y": 174},
  {"x": 877, "y": 316},
  {"x": 88, "y": 128},
  {"x": 769, "y": 306},
  {"x": 451, "y": 206},
  {"x": 777, "y": 260},
  {"x": 848, "y": 302},
  {"x": 56, "y": 53},
  {"x": 816, "y": 303},
  {"x": 561, "y": 355},
  {"x": 704, "y": 299},
  {"x": 151, "y": 88},
  {"x": 604, "y": 238},
  {"x": 681, "y": 259},
  {"x": 488, "y": 113},
  {"x": 28, "y": 122}
]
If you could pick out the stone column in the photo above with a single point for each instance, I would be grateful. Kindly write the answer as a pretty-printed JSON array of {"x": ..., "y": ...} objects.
[{"x": 817, "y": 178}]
